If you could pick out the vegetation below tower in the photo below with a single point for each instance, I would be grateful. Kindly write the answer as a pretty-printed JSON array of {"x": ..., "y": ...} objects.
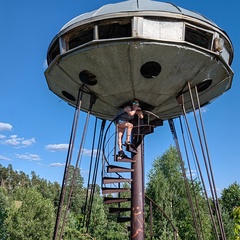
[{"x": 28, "y": 206}]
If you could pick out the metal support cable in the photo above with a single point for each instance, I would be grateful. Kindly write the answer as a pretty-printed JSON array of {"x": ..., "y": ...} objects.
[
  {"x": 173, "y": 130},
  {"x": 68, "y": 161},
  {"x": 200, "y": 139},
  {"x": 95, "y": 173},
  {"x": 198, "y": 165},
  {"x": 92, "y": 191},
  {"x": 209, "y": 174},
  {"x": 80, "y": 152},
  {"x": 192, "y": 153},
  {"x": 215, "y": 197},
  {"x": 90, "y": 171},
  {"x": 191, "y": 178}
]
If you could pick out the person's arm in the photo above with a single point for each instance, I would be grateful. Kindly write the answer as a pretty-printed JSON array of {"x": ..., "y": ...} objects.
[
  {"x": 139, "y": 113},
  {"x": 130, "y": 111}
]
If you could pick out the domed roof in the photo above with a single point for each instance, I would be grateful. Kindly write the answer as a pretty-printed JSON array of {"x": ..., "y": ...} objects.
[{"x": 137, "y": 6}]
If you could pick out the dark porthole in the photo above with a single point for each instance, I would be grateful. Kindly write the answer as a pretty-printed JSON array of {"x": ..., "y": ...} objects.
[
  {"x": 150, "y": 69},
  {"x": 88, "y": 78},
  {"x": 68, "y": 96},
  {"x": 202, "y": 86}
]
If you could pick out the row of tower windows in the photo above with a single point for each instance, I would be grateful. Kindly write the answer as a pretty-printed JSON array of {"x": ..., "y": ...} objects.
[{"x": 123, "y": 28}]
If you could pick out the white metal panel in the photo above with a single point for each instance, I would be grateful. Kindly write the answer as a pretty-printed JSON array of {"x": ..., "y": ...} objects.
[{"x": 163, "y": 30}]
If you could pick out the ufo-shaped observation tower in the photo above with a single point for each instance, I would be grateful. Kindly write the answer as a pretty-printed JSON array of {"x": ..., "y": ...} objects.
[
  {"x": 148, "y": 50},
  {"x": 145, "y": 49}
]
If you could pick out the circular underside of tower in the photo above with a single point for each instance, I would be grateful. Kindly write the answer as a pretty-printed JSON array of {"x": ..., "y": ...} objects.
[{"x": 145, "y": 49}]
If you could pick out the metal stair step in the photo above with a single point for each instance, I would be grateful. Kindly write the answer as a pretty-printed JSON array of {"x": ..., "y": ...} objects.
[
  {"x": 112, "y": 200},
  {"x": 145, "y": 129},
  {"x": 131, "y": 148},
  {"x": 113, "y": 168},
  {"x": 118, "y": 210},
  {"x": 123, "y": 219},
  {"x": 108, "y": 200},
  {"x": 156, "y": 122},
  {"x": 124, "y": 160},
  {"x": 106, "y": 190},
  {"x": 108, "y": 180}
]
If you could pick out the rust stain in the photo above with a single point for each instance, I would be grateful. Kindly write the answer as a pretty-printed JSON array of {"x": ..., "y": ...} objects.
[{"x": 137, "y": 221}]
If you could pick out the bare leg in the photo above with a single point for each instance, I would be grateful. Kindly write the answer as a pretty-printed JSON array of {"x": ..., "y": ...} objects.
[
  {"x": 121, "y": 130},
  {"x": 129, "y": 131},
  {"x": 120, "y": 137}
]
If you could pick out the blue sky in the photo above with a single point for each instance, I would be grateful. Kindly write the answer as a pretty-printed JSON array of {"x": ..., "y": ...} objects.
[{"x": 35, "y": 124}]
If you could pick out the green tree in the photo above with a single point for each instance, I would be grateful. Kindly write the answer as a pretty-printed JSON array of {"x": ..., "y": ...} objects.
[
  {"x": 3, "y": 212},
  {"x": 228, "y": 224},
  {"x": 98, "y": 218},
  {"x": 231, "y": 197},
  {"x": 78, "y": 193},
  {"x": 32, "y": 218},
  {"x": 24, "y": 180},
  {"x": 166, "y": 187},
  {"x": 236, "y": 216},
  {"x": 102, "y": 227},
  {"x": 230, "y": 200}
]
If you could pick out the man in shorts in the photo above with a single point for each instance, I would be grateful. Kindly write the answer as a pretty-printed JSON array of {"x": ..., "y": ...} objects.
[{"x": 122, "y": 122}]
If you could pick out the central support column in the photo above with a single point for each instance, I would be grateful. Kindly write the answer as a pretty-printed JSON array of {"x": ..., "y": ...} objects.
[{"x": 137, "y": 203}]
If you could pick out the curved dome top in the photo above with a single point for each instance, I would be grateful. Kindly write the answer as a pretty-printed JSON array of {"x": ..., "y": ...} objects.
[{"x": 137, "y": 6}]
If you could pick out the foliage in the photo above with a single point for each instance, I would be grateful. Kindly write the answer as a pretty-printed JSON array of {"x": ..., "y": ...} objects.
[
  {"x": 236, "y": 216},
  {"x": 231, "y": 197},
  {"x": 31, "y": 219},
  {"x": 75, "y": 181},
  {"x": 3, "y": 213},
  {"x": 230, "y": 200},
  {"x": 228, "y": 224},
  {"x": 166, "y": 187},
  {"x": 28, "y": 206}
]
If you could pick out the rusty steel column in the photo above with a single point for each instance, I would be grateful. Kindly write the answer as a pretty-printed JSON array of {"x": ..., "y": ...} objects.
[{"x": 137, "y": 201}]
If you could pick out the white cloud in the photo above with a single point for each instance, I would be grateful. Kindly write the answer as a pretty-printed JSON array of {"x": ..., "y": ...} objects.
[
  {"x": 5, "y": 126},
  {"x": 87, "y": 152},
  {"x": 28, "y": 156},
  {"x": 204, "y": 109},
  {"x": 4, "y": 158},
  {"x": 2, "y": 136},
  {"x": 193, "y": 173},
  {"x": 57, "y": 164},
  {"x": 28, "y": 142},
  {"x": 16, "y": 141},
  {"x": 64, "y": 147},
  {"x": 45, "y": 64},
  {"x": 57, "y": 147}
]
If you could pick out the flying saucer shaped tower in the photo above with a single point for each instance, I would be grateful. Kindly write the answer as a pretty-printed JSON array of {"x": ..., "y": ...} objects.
[{"x": 147, "y": 50}]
